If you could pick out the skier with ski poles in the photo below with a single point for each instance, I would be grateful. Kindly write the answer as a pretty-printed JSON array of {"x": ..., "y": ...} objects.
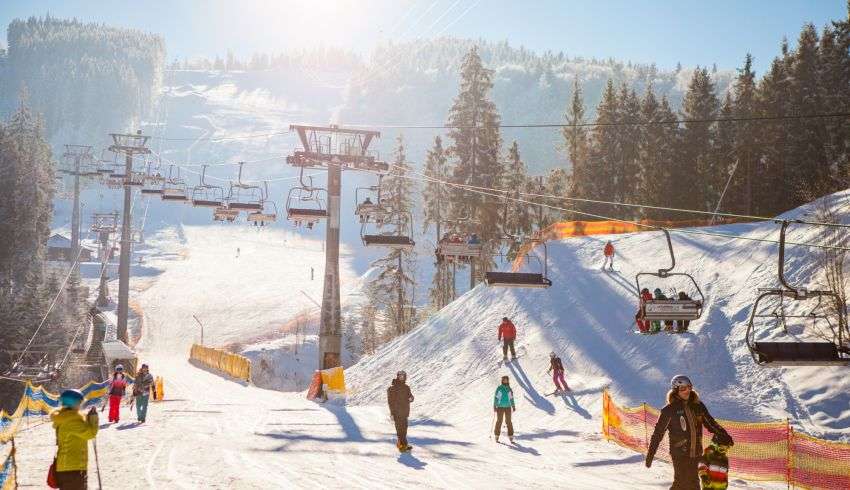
[
  {"x": 73, "y": 431},
  {"x": 503, "y": 406},
  {"x": 556, "y": 367},
  {"x": 608, "y": 251},
  {"x": 399, "y": 399},
  {"x": 683, "y": 418},
  {"x": 141, "y": 392},
  {"x": 507, "y": 335}
]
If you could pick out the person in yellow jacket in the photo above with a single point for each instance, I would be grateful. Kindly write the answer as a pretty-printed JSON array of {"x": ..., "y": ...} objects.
[{"x": 73, "y": 432}]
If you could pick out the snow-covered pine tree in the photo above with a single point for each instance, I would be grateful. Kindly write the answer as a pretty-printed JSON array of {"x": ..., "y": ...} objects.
[
  {"x": 392, "y": 287},
  {"x": 603, "y": 158},
  {"x": 693, "y": 177},
  {"x": 739, "y": 197},
  {"x": 436, "y": 211},
  {"x": 575, "y": 139},
  {"x": 476, "y": 143}
]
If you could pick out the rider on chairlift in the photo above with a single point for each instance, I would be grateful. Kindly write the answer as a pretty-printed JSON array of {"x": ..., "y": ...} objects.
[{"x": 473, "y": 239}]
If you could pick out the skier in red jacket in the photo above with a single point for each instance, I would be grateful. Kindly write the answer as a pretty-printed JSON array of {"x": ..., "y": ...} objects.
[
  {"x": 609, "y": 256},
  {"x": 507, "y": 335},
  {"x": 643, "y": 325}
]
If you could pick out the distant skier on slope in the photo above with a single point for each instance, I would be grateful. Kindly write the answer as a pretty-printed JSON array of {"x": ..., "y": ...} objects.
[
  {"x": 683, "y": 418},
  {"x": 557, "y": 370},
  {"x": 141, "y": 392},
  {"x": 503, "y": 405},
  {"x": 117, "y": 388},
  {"x": 507, "y": 335},
  {"x": 399, "y": 399},
  {"x": 609, "y": 256}
]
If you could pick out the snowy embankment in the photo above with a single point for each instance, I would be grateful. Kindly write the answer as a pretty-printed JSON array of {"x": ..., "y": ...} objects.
[{"x": 587, "y": 317}]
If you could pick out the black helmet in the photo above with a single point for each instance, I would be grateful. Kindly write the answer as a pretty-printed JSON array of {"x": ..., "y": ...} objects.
[{"x": 505, "y": 319}]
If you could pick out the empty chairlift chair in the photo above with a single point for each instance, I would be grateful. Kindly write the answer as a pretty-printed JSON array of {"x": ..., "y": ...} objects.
[
  {"x": 174, "y": 187},
  {"x": 206, "y": 195},
  {"x": 305, "y": 203},
  {"x": 266, "y": 215},
  {"x": 671, "y": 309},
  {"x": 819, "y": 336},
  {"x": 243, "y": 196},
  {"x": 398, "y": 239},
  {"x": 523, "y": 279}
]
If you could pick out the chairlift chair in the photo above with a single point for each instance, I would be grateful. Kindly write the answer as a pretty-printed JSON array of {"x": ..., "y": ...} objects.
[
  {"x": 835, "y": 351},
  {"x": 672, "y": 309},
  {"x": 305, "y": 203},
  {"x": 244, "y": 197},
  {"x": 523, "y": 279},
  {"x": 399, "y": 240},
  {"x": 222, "y": 213},
  {"x": 174, "y": 187},
  {"x": 367, "y": 210},
  {"x": 206, "y": 195},
  {"x": 266, "y": 215}
]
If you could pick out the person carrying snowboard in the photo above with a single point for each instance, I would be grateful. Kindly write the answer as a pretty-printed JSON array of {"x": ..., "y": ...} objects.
[
  {"x": 557, "y": 370},
  {"x": 643, "y": 325},
  {"x": 507, "y": 335},
  {"x": 713, "y": 470},
  {"x": 142, "y": 391},
  {"x": 399, "y": 399},
  {"x": 73, "y": 432},
  {"x": 683, "y": 419},
  {"x": 117, "y": 388},
  {"x": 503, "y": 405},
  {"x": 609, "y": 256}
]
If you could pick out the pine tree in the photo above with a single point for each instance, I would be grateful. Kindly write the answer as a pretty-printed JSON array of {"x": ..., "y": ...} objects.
[
  {"x": 476, "y": 144},
  {"x": 436, "y": 210},
  {"x": 629, "y": 136},
  {"x": 773, "y": 185},
  {"x": 696, "y": 185},
  {"x": 723, "y": 161},
  {"x": 393, "y": 285},
  {"x": 517, "y": 219},
  {"x": 582, "y": 181},
  {"x": 740, "y": 197},
  {"x": 604, "y": 155},
  {"x": 656, "y": 154}
]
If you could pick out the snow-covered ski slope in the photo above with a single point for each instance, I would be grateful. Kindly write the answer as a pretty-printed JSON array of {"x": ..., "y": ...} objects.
[{"x": 587, "y": 317}]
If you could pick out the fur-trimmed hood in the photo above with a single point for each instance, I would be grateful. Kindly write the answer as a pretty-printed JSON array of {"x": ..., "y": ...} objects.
[{"x": 694, "y": 398}]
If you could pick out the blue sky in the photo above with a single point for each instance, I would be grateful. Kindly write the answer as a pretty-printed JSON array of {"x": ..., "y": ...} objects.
[{"x": 663, "y": 31}]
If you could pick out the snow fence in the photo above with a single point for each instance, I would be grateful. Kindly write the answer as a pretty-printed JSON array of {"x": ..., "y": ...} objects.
[
  {"x": 229, "y": 363},
  {"x": 327, "y": 382},
  {"x": 763, "y": 451}
]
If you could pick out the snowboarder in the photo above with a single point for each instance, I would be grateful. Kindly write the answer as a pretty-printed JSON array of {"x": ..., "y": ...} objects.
[
  {"x": 683, "y": 418},
  {"x": 70, "y": 470},
  {"x": 682, "y": 325},
  {"x": 609, "y": 256},
  {"x": 141, "y": 392},
  {"x": 713, "y": 470},
  {"x": 399, "y": 399},
  {"x": 503, "y": 405},
  {"x": 557, "y": 370},
  {"x": 642, "y": 324},
  {"x": 507, "y": 335},
  {"x": 117, "y": 388}
]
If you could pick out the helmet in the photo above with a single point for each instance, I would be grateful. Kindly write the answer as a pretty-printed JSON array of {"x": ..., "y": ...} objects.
[
  {"x": 119, "y": 367},
  {"x": 505, "y": 319},
  {"x": 644, "y": 290},
  {"x": 657, "y": 291},
  {"x": 680, "y": 380},
  {"x": 552, "y": 354},
  {"x": 401, "y": 374},
  {"x": 144, "y": 366},
  {"x": 71, "y": 398}
]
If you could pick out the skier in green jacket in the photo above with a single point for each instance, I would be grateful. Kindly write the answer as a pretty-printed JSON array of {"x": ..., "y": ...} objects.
[{"x": 503, "y": 405}]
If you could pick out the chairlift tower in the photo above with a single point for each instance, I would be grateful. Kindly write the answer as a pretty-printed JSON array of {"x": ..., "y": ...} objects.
[
  {"x": 104, "y": 224},
  {"x": 334, "y": 149},
  {"x": 130, "y": 145},
  {"x": 79, "y": 154}
]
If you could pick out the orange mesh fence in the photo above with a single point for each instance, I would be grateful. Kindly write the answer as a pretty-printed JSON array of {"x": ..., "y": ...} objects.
[
  {"x": 763, "y": 451},
  {"x": 568, "y": 229}
]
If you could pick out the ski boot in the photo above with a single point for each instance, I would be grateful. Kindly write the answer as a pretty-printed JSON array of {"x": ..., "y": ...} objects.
[{"x": 511, "y": 439}]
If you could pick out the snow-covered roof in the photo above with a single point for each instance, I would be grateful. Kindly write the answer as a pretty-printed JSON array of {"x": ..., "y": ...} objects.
[
  {"x": 58, "y": 241},
  {"x": 117, "y": 350}
]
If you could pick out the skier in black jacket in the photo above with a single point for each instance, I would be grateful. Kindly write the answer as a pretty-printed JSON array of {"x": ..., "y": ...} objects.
[
  {"x": 399, "y": 398},
  {"x": 682, "y": 418}
]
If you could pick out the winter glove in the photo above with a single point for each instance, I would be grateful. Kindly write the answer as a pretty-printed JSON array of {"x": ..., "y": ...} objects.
[{"x": 514, "y": 409}]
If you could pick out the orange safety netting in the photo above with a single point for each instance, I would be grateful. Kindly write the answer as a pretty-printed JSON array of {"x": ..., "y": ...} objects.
[
  {"x": 763, "y": 451},
  {"x": 568, "y": 229}
]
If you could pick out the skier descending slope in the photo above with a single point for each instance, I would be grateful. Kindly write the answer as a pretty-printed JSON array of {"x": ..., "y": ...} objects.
[
  {"x": 609, "y": 256},
  {"x": 556, "y": 367},
  {"x": 683, "y": 418},
  {"x": 503, "y": 405},
  {"x": 507, "y": 335},
  {"x": 399, "y": 398}
]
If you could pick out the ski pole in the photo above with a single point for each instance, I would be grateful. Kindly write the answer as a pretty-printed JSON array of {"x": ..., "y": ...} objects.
[{"x": 97, "y": 464}]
